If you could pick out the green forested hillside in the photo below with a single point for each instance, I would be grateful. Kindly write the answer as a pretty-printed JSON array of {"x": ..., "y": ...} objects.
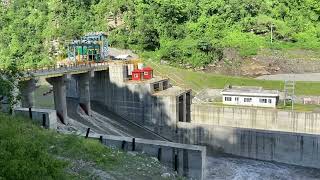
[{"x": 180, "y": 31}]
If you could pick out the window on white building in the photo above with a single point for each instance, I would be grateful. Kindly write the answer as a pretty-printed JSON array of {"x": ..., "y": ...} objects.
[
  {"x": 247, "y": 99},
  {"x": 236, "y": 99},
  {"x": 227, "y": 99},
  {"x": 270, "y": 101},
  {"x": 263, "y": 100}
]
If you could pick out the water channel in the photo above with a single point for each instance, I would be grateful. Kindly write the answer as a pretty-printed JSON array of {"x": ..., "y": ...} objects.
[{"x": 231, "y": 168}]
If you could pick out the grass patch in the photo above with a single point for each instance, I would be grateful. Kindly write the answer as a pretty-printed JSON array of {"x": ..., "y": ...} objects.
[
  {"x": 292, "y": 53},
  {"x": 299, "y": 107},
  {"x": 198, "y": 80},
  {"x": 30, "y": 152}
]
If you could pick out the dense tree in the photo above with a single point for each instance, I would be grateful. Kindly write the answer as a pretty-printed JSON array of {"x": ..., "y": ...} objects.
[
  {"x": 195, "y": 31},
  {"x": 180, "y": 31},
  {"x": 9, "y": 84}
]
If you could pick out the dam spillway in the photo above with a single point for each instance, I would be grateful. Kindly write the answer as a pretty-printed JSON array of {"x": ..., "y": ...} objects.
[{"x": 167, "y": 111}]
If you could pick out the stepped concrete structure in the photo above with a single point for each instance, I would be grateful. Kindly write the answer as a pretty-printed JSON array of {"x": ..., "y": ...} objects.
[{"x": 153, "y": 104}]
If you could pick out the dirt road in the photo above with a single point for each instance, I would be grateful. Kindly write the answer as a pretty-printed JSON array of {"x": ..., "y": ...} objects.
[{"x": 312, "y": 77}]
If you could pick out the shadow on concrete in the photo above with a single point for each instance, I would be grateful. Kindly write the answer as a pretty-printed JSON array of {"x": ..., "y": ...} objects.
[
  {"x": 132, "y": 102},
  {"x": 290, "y": 148},
  {"x": 103, "y": 121}
]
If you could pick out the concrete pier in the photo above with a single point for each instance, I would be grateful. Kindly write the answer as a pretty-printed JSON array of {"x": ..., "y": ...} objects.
[
  {"x": 60, "y": 100},
  {"x": 27, "y": 92},
  {"x": 84, "y": 90}
]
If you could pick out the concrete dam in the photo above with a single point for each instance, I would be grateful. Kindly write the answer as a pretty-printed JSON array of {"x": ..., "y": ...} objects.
[
  {"x": 166, "y": 110},
  {"x": 264, "y": 134}
]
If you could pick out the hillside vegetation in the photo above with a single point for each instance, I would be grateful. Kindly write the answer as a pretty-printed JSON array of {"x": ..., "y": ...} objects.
[
  {"x": 29, "y": 152},
  {"x": 198, "y": 81},
  {"x": 179, "y": 31}
]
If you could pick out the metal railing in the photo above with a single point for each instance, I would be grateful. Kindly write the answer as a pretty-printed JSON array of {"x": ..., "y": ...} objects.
[{"x": 56, "y": 69}]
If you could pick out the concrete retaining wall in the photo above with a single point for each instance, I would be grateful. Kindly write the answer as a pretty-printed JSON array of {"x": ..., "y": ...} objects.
[
  {"x": 188, "y": 160},
  {"x": 290, "y": 148},
  {"x": 134, "y": 102},
  {"x": 4, "y": 106},
  {"x": 257, "y": 118},
  {"x": 38, "y": 115}
]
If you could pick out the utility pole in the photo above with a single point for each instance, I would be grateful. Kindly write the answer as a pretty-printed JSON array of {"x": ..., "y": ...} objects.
[
  {"x": 271, "y": 38},
  {"x": 289, "y": 92}
]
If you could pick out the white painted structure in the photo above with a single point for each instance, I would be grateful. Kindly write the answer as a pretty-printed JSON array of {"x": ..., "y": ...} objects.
[
  {"x": 123, "y": 57},
  {"x": 250, "y": 96}
]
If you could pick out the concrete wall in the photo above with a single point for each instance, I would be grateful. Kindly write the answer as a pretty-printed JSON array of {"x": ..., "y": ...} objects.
[
  {"x": 38, "y": 115},
  {"x": 290, "y": 148},
  {"x": 4, "y": 105},
  {"x": 188, "y": 160},
  {"x": 257, "y": 118},
  {"x": 134, "y": 101},
  {"x": 72, "y": 88},
  {"x": 27, "y": 92}
]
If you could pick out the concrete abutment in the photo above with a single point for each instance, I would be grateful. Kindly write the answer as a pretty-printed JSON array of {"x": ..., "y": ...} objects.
[
  {"x": 83, "y": 81},
  {"x": 60, "y": 96},
  {"x": 27, "y": 89}
]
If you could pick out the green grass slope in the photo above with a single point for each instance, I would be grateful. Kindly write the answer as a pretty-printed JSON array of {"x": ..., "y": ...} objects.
[
  {"x": 198, "y": 81},
  {"x": 30, "y": 152}
]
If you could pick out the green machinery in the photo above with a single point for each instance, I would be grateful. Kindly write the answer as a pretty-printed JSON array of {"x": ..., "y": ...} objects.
[{"x": 93, "y": 47}]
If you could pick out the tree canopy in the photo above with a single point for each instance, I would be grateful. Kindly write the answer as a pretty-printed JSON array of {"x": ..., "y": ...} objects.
[{"x": 181, "y": 31}]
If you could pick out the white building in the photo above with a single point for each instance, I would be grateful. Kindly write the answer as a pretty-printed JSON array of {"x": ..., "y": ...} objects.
[{"x": 250, "y": 96}]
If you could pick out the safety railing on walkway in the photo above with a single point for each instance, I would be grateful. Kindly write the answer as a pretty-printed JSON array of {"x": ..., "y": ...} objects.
[{"x": 58, "y": 69}]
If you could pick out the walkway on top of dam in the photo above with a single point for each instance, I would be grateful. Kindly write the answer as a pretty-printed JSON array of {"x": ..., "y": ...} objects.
[
  {"x": 103, "y": 121},
  {"x": 55, "y": 71}
]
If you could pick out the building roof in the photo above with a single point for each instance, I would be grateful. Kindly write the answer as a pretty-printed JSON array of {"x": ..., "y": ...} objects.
[
  {"x": 123, "y": 56},
  {"x": 147, "y": 69},
  {"x": 250, "y": 91},
  {"x": 172, "y": 91},
  {"x": 137, "y": 71}
]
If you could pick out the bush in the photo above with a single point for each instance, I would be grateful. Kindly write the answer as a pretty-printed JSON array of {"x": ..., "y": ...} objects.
[
  {"x": 247, "y": 43},
  {"x": 23, "y": 155},
  {"x": 189, "y": 51}
]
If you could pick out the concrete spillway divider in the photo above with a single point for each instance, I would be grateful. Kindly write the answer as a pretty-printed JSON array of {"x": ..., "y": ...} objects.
[
  {"x": 84, "y": 90},
  {"x": 60, "y": 98},
  {"x": 44, "y": 117},
  {"x": 27, "y": 88},
  {"x": 187, "y": 160}
]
